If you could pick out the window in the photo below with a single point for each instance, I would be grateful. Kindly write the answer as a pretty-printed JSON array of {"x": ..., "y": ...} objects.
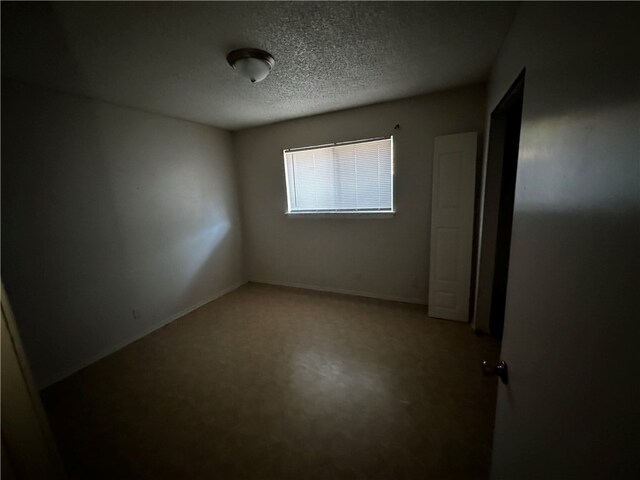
[{"x": 341, "y": 178}]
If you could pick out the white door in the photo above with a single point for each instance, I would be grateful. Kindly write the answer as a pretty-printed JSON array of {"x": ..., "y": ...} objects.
[
  {"x": 571, "y": 409},
  {"x": 453, "y": 193}
]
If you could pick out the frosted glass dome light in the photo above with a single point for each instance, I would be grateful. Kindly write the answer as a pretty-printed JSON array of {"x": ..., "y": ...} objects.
[{"x": 251, "y": 63}]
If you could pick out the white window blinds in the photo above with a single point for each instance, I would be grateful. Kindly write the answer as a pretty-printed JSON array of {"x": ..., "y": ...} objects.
[{"x": 349, "y": 177}]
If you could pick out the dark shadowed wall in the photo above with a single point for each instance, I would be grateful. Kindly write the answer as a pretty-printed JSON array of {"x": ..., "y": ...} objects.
[{"x": 114, "y": 222}]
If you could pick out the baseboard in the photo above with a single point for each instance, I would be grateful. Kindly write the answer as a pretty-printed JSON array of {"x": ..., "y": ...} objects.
[
  {"x": 358, "y": 293},
  {"x": 114, "y": 348}
]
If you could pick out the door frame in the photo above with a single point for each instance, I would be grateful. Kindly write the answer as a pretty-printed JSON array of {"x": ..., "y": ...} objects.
[
  {"x": 496, "y": 210},
  {"x": 28, "y": 446}
]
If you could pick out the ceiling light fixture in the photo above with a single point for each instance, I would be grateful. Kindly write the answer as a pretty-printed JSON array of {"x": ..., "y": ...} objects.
[{"x": 252, "y": 63}]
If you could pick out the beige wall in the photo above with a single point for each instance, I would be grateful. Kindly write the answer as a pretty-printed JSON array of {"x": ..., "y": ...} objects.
[
  {"x": 572, "y": 325},
  {"x": 384, "y": 257},
  {"x": 106, "y": 210}
]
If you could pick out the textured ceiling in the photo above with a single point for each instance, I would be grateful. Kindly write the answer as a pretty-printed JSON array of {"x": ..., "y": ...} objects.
[{"x": 169, "y": 57}]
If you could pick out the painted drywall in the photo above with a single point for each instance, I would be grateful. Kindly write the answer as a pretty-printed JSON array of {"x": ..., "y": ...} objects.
[
  {"x": 572, "y": 325},
  {"x": 106, "y": 211},
  {"x": 384, "y": 257}
]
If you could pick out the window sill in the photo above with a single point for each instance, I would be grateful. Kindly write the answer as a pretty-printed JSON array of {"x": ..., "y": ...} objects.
[{"x": 345, "y": 214}]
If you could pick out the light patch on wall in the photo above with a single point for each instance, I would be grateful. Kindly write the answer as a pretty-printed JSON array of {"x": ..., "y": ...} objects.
[
  {"x": 195, "y": 250},
  {"x": 547, "y": 150}
]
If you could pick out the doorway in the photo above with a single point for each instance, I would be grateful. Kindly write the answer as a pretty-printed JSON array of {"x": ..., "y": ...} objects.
[{"x": 497, "y": 215}]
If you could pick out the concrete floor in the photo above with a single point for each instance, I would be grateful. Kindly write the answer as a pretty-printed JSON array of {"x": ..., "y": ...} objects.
[{"x": 272, "y": 382}]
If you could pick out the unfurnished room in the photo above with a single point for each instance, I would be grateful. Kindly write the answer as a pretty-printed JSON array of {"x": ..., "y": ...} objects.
[{"x": 320, "y": 240}]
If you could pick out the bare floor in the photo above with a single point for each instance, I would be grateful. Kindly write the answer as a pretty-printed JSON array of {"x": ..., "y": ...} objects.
[{"x": 272, "y": 382}]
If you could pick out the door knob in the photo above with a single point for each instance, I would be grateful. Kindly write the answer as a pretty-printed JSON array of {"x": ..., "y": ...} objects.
[{"x": 490, "y": 369}]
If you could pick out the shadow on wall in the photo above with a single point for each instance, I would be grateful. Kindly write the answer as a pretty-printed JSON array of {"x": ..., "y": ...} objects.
[
  {"x": 114, "y": 221},
  {"x": 62, "y": 240}
]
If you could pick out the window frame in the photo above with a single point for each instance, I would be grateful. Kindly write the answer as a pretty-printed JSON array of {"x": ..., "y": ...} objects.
[{"x": 345, "y": 213}]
